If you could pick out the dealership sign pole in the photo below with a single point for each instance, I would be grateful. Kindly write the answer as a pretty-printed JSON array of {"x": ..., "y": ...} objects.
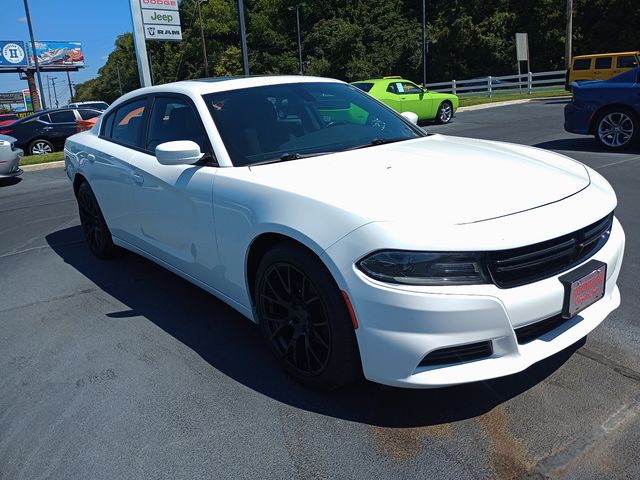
[{"x": 141, "y": 47}]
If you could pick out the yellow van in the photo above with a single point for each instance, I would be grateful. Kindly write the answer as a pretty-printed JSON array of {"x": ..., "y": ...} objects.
[{"x": 601, "y": 66}]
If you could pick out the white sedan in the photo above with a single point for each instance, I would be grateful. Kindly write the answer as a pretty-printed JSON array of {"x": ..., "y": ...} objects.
[
  {"x": 10, "y": 157},
  {"x": 360, "y": 244}
]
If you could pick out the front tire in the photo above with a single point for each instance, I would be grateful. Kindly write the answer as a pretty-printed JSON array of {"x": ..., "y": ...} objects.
[
  {"x": 40, "y": 147},
  {"x": 445, "y": 112},
  {"x": 94, "y": 227},
  {"x": 305, "y": 319},
  {"x": 616, "y": 129}
]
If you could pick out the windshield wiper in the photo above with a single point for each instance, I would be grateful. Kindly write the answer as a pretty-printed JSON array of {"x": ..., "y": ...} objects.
[
  {"x": 378, "y": 141},
  {"x": 287, "y": 157}
]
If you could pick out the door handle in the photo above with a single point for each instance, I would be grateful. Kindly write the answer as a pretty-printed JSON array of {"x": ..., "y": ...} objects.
[
  {"x": 47, "y": 128},
  {"x": 138, "y": 179}
]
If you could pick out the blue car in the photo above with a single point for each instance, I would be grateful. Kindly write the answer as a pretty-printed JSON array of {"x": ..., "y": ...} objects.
[{"x": 607, "y": 109}]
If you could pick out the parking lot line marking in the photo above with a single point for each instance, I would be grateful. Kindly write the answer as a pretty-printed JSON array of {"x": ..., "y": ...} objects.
[{"x": 617, "y": 163}]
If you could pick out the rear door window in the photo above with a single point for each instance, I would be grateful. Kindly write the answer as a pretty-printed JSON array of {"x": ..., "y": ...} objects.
[
  {"x": 582, "y": 64},
  {"x": 603, "y": 63},
  {"x": 66, "y": 116},
  {"x": 128, "y": 122}
]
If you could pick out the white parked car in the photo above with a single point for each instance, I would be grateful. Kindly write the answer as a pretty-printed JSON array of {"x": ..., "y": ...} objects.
[
  {"x": 361, "y": 245},
  {"x": 10, "y": 157}
]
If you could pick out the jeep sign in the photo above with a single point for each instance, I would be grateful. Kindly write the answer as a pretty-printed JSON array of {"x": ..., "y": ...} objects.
[
  {"x": 160, "y": 17},
  {"x": 161, "y": 20}
]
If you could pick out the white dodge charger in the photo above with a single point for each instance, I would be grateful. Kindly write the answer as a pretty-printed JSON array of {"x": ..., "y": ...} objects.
[{"x": 360, "y": 244}]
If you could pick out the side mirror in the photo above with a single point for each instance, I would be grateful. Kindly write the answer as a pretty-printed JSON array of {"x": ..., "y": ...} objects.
[
  {"x": 181, "y": 152},
  {"x": 412, "y": 117}
]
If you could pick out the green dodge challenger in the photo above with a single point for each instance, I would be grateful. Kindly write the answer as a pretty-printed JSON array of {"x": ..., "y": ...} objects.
[{"x": 405, "y": 96}]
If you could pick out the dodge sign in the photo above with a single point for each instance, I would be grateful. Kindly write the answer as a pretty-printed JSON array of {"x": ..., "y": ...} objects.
[{"x": 161, "y": 20}]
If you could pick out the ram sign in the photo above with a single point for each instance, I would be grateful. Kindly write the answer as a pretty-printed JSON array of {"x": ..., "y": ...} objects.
[
  {"x": 161, "y": 20},
  {"x": 13, "y": 54}
]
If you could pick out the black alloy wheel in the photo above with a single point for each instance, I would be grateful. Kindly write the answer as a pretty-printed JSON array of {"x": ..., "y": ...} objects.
[
  {"x": 94, "y": 227},
  {"x": 305, "y": 319},
  {"x": 445, "y": 112}
]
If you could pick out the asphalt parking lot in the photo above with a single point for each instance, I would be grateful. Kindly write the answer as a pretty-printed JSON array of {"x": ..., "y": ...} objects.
[{"x": 120, "y": 369}]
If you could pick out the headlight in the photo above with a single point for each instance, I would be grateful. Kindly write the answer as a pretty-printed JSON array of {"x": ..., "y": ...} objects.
[{"x": 425, "y": 268}]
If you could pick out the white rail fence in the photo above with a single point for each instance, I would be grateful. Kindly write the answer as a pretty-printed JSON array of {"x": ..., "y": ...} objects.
[{"x": 489, "y": 86}]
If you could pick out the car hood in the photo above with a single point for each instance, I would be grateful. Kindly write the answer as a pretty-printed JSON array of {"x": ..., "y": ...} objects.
[
  {"x": 7, "y": 138},
  {"x": 439, "y": 178}
]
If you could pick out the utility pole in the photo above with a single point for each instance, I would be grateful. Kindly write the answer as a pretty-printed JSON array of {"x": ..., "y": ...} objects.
[
  {"x": 35, "y": 99},
  {"x": 568, "y": 35},
  {"x": 55, "y": 94},
  {"x": 243, "y": 38},
  {"x": 48, "y": 91},
  {"x": 70, "y": 87},
  {"x": 424, "y": 44},
  {"x": 204, "y": 45}
]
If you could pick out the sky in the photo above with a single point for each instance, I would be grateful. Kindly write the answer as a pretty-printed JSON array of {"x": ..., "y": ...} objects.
[{"x": 94, "y": 23}]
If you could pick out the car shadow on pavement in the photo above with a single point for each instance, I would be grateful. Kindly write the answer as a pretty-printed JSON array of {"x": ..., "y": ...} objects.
[
  {"x": 234, "y": 346},
  {"x": 582, "y": 144},
  {"x": 7, "y": 182}
]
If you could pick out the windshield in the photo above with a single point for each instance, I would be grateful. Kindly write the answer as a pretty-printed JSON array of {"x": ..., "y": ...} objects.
[{"x": 290, "y": 121}]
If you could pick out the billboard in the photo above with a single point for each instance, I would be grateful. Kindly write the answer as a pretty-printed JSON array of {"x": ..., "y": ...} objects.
[
  {"x": 57, "y": 54},
  {"x": 13, "y": 54}
]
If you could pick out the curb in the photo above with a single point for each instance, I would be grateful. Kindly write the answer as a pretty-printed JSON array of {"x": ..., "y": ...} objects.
[
  {"x": 507, "y": 102},
  {"x": 42, "y": 166}
]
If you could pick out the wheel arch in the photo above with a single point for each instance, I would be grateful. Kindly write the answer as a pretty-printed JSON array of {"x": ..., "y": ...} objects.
[
  {"x": 78, "y": 178},
  {"x": 610, "y": 107},
  {"x": 261, "y": 244}
]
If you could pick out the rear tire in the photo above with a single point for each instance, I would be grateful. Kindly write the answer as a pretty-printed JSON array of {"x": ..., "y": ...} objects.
[
  {"x": 94, "y": 227},
  {"x": 305, "y": 320},
  {"x": 616, "y": 129},
  {"x": 445, "y": 112},
  {"x": 40, "y": 147}
]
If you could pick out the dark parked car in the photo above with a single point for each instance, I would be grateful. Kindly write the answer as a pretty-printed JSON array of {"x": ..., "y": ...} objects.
[
  {"x": 47, "y": 130},
  {"x": 608, "y": 109}
]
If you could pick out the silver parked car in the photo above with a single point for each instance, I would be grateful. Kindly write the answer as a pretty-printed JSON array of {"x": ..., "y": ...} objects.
[{"x": 10, "y": 157}]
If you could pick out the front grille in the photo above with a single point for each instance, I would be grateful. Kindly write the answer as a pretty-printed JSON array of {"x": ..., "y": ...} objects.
[
  {"x": 519, "y": 266},
  {"x": 461, "y": 353},
  {"x": 529, "y": 333}
]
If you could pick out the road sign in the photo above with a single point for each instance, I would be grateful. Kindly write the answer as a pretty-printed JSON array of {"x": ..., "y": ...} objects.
[
  {"x": 522, "y": 47},
  {"x": 13, "y": 54},
  {"x": 161, "y": 20},
  {"x": 15, "y": 97}
]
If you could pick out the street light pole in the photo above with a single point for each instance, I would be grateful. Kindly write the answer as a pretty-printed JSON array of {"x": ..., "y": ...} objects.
[
  {"x": 568, "y": 35},
  {"x": 297, "y": 7},
  {"x": 37, "y": 99},
  {"x": 204, "y": 45},
  {"x": 424, "y": 44},
  {"x": 299, "y": 42},
  {"x": 243, "y": 38}
]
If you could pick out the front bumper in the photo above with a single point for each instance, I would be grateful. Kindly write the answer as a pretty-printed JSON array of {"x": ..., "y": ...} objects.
[
  {"x": 10, "y": 168},
  {"x": 400, "y": 325}
]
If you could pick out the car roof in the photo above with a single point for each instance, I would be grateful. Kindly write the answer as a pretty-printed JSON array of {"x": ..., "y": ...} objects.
[
  {"x": 384, "y": 80},
  {"x": 204, "y": 86},
  {"x": 592, "y": 55}
]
